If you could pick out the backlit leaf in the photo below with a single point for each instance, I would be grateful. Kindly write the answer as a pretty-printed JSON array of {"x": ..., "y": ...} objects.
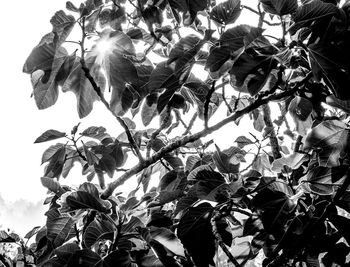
[{"x": 331, "y": 138}]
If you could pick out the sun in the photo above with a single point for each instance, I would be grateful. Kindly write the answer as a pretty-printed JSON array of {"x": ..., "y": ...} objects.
[{"x": 103, "y": 46}]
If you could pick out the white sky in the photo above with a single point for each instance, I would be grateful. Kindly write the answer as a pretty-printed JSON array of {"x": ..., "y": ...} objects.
[{"x": 21, "y": 192}]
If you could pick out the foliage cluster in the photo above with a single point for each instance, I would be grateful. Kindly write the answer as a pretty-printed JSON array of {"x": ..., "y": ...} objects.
[{"x": 210, "y": 206}]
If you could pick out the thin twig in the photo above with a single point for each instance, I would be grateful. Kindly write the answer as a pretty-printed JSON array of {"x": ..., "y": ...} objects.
[{"x": 206, "y": 104}]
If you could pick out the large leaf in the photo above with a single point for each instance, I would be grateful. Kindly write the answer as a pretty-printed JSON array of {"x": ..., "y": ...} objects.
[
  {"x": 84, "y": 258},
  {"x": 276, "y": 207},
  {"x": 116, "y": 258},
  {"x": 228, "y": 161},
  {"x": 331, "y": 138},
  {"x": 231, "y": 44},
  {"x": 311, "y": 11},
  {"x": 226, "y": 12},
  {"x": 337, "y": 103},
  {"x": 279, "y": 7},
  {"x": 184, "y": 52},
  {"x": 58, "y": 227},
  {"x": 194, "y": 231},
  {"x": 292, "y": 161},
  {"x": 168, "y": 239},
  {"x": 62, "y": 26},
  {"x": 329, "y": 62},
  {"x": 86, "y": 200},
  {"x": 324, "y": 181},
  {"x": 97, "y": 230},
  {"x": 82, "y": 88},
  {"x": 55, "y": 166},
  {"x": 42, "y": 56},
  {"x": 49, "y": 135},
  {"x": 250, "y": 72},
  {"x": 45, "y": 82},
  {"x": 52, "y": 185}
]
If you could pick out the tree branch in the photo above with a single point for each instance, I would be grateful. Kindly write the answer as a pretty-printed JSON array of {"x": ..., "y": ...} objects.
[
  {"x": 206, "y": 104},
  {"x": 261, "y": 99},
  {"x": 275, "y": 148},
  {"x": 98, "y": 91}
]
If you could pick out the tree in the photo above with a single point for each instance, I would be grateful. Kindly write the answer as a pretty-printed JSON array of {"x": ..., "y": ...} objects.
[{"x": 290, "y": 200}]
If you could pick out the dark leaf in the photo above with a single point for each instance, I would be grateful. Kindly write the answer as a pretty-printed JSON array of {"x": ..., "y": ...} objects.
[
  {"x": 97, "y": 230},
  {"x": 324, "y": 181},
  {"x": 226, "y": 12},
  {"x": 280, "y": 7},
  {"x": 331, "y": 138},
  {"x": 337, "y": 103},
  {"x": 194, "y": 231},
  {"x": 311, "y": 11},
  {"x": 49, "y": 135},
  {"x": 85, "y": 200},
  {"x": 58, "y": 227},
  {"x": 168, "y": 239}
]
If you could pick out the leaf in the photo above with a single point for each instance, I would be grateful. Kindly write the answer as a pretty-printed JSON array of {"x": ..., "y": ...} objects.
[
  {"x": 49, "y": 135},
  {"x": 42, "y": 56},
  {"x": 311, "y": 11},
  {"x": 342, "y": 224},
  {"x": 62, "y": 26},
  {"x": 250, "y": 73},
  {"x": 32, "y": 232},
  {"x": 6, "y": 237},
  {"x": 82, "y": 88},
  {"x": 227, "y": 12},
  {"x": 331, "y": 138},
  {"x": 333, "y": 101},
  {"x": 276, "y": 207},
  {"x": 91, "y": 157},
  {"x": 300, "y": 109},
  {"x": 168, "y": 239},
  {"x": 85, "y": 200},
  {"x": 292, "y": 161},
  {"x": 231, "y": 43},
  {"x": 58, "y": 227},
  {"x": 243, "y": 141},
  {"x": 184, "y": 52},
  {"x": 46, "y": 84},
  {"x": 226, "y": 161},
  {"x": 329, "y": 63},
  {"x": 65, "y": 251},
  {"x": 194, "y": 231},
  {"x": 97, "y": 230},
  {"x": 52, "y": 185},
  {"x": 323, "y": 180},
  {"x": 84, "y": 257},
  {"x": 116, "y": 258},
  {"x": 149, "y": 109},
  {"x": 279, "y": 7},
  {"x": 55, "y": 166}
]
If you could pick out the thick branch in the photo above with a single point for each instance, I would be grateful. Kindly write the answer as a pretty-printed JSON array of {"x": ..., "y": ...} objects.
[
  {"x": 98, "y": 91},
  {"x": 260, "y": 100}
]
